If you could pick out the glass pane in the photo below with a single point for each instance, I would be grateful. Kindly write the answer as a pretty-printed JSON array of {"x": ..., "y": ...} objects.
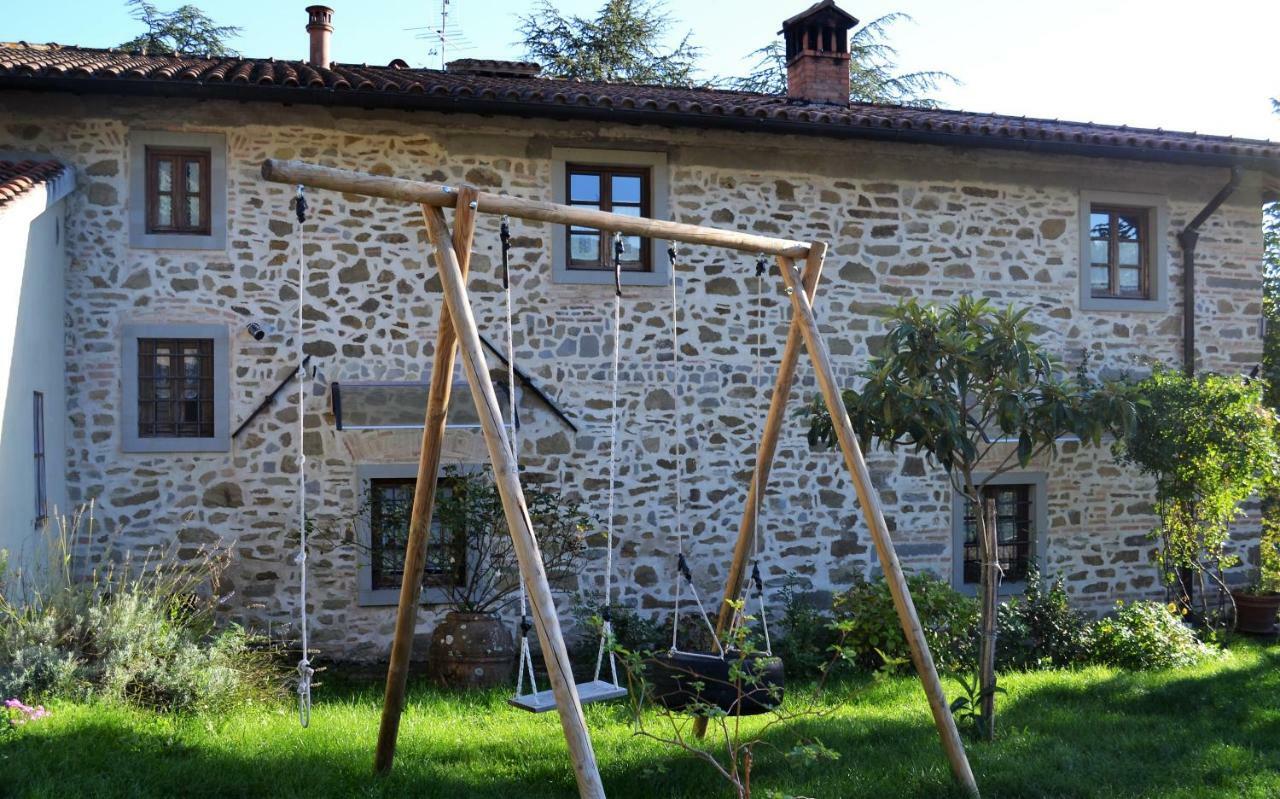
[
  {"x": 1128, "y": 253},
  {"x": 1130, "y": 280},
  {"x": 584, "y": 247},
  {"x": 164, "y": 175},
  {"x": 1098, "y": 252},
  {"x": 192, "y": 169},
  {"x": 631, "y": 248},
  {"x": 193, "y": 212},
  {"x": 584, "y": 187},
  {"x": 627, "y": 210},
  {"x": 1127, "y": 226},
  {"x": 1099, "y": 278},
  {"x": 626, "y": 188},
  {"x": 164, "y": 210},
  {"x": 1099, "y": 225}
]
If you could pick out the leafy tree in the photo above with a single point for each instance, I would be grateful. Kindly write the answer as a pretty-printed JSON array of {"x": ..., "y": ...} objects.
[
  {"x": 186, "y": 29},
  {"x": 1210, "y": 443},
  {"x": 873, "y": 75},
  {"x": 969, "y": 385},
  {"x": 622, "y": 43}
]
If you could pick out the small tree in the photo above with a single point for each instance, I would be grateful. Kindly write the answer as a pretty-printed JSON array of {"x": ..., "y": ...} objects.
[
  {"x": 873, "y": 69},
  {"x": 623, "y": 42},
  {"x": 1210, "y": 444},
  {"x": 186, "y": 29},
  {"x": 969, "y": 385}
]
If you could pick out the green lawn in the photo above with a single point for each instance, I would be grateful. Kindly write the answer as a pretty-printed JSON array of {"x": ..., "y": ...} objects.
[{"x": 1212, "y": 731}]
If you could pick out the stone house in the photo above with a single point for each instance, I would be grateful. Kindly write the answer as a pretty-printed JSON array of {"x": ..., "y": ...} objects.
[{"x": 180, "y": 292}]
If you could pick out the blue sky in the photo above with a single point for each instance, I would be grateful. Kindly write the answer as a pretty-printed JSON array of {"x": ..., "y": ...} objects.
[{"x": 1171, "y": 64}]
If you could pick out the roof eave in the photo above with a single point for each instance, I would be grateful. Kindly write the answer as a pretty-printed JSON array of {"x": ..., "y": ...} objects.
[{"x": 288, "y": 95}]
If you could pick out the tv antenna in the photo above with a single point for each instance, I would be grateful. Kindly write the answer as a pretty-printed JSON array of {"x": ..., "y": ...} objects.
[{"x": 446, "y": 37}]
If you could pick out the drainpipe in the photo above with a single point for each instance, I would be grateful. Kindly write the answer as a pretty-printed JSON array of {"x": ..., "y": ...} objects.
[{"x": 1187, "y": 240}]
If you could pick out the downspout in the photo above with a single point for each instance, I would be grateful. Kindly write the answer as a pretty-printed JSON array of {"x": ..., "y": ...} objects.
[{"x": 1187, "y": 240}]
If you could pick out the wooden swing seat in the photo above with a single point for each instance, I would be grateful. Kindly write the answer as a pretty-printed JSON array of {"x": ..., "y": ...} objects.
[{"x": 588, "y": 692}]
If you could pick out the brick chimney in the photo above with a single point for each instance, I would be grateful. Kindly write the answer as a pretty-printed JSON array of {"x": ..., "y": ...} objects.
[
  {"x": 320, "y": 27},
  {"x": 817, "y": 42}
]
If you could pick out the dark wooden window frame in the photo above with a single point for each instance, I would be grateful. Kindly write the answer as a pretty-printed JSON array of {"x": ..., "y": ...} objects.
[
  {"x": 1113, "y": 291},
  {"x": 383, "y": 578},
  {"x": 42, "y": 486},
  {"x": 175, "y": 421},
  {"x": 606, "y": 173},
  {"x": 1016, "y": 555},
  {"x": 180, "y": 223}
]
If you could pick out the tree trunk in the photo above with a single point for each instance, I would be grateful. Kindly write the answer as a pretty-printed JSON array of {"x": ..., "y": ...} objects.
[{"x": 988, "y": 557}]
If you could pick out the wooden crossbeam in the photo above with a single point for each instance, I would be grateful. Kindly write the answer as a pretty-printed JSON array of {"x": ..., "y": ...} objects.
[{"x": 441, "y": 196}]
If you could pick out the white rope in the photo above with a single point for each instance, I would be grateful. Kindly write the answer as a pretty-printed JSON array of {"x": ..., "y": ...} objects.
[
  {"x": 606, "y": 628},
  {"x": 305, "y": 671},
  {"x": 677, "y": 431},
  {"x": 676, "y": 435},
  {"x": 526, "y": 654}
]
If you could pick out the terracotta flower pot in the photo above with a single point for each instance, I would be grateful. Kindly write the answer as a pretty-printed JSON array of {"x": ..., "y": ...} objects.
[
  {"x": 471, "y": 650},
  {"x": 1256, "y": 613}
]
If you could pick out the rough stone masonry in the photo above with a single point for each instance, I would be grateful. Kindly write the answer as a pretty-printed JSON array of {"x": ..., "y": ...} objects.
[{"x": 902, "y": 221}]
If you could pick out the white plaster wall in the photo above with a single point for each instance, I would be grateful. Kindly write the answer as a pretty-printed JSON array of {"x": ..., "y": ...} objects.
[{"x": 32, "y": 344}]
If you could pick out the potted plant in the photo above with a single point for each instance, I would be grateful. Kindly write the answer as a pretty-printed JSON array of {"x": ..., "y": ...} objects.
[
  {"x": 473, "y": 646},
  {"x": 1258, "y": 605}
]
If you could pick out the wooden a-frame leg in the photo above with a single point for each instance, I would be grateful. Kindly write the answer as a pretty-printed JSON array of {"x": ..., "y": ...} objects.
[
  {"x": 764, "y": 456},
  {"x": 424, "y": 495},
  {"x": 874, "y": 515},
  {"x": 507, "y": 476}
]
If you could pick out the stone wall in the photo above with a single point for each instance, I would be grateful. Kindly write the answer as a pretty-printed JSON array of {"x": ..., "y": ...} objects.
[{"x": 902, "y": 221}]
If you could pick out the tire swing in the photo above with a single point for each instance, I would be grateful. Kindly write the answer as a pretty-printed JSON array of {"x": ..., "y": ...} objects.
[
  {"x": 596, "y": 689},
  {"x": 735, "y": 683}
]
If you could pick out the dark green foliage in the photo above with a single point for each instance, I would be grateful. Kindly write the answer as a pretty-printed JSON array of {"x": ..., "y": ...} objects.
[
  {"x": 873, "y": 75},
  {"x": 623, "y": 42},
  {"x": 804, "y": 636},
  {"x": 186, "y": 29},
  {"x": 872, "y": 634},
  {"x": 1040, "y": 629},
  {"x": 1210, "y": 444},
  {"x": 1145, "y": 635}
]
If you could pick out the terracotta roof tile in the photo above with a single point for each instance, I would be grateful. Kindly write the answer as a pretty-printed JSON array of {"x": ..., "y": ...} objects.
[
  {"x": 19, "y": 177},
  {"x": 63, "y": 68}
]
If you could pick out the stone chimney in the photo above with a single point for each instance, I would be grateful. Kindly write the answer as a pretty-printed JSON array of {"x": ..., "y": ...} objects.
[
  {"x": 817, "y": 42},
  {"x": 320, "y": 27}
]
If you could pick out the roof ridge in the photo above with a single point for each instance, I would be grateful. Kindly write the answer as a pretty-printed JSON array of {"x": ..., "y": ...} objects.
[{"x": 111, "y": 69}]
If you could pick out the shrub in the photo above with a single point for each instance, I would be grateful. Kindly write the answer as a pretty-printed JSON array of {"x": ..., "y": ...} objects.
[
  {"x": 873, "y": 637},
  {"x": 1040, "y": 629},
  {"x": 804, "y": 636},
  {"x": 141, "y": 633},
  {"x": 1145, "y": 635}
]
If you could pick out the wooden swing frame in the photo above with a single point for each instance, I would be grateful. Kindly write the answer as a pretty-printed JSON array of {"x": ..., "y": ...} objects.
[{"x": 458, "y": 331}]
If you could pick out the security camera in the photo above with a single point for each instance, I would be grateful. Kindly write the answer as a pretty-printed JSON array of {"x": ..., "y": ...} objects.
[{"x": 259, "y": 331}]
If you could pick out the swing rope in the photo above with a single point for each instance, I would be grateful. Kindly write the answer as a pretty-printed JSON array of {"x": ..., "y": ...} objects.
[
  {"x": 758, "y": 487},
  {"x": 305, "y": 671},
  {"x": 606, "y": 613},
  {"x": 526, "y": 624},
  {"x": 677, "y": 433}
]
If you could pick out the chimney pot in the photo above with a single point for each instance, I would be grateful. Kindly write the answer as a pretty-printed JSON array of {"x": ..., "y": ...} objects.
[
  {"x": 320, "y": 27},
  {"x": 817, "y": 43}
]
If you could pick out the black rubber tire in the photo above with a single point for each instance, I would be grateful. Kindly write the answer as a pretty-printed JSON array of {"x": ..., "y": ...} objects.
[{"x": 672, "y": 677}]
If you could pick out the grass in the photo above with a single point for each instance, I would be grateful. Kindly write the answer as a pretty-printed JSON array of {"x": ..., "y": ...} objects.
[{"x": 1208, "y": 731}]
